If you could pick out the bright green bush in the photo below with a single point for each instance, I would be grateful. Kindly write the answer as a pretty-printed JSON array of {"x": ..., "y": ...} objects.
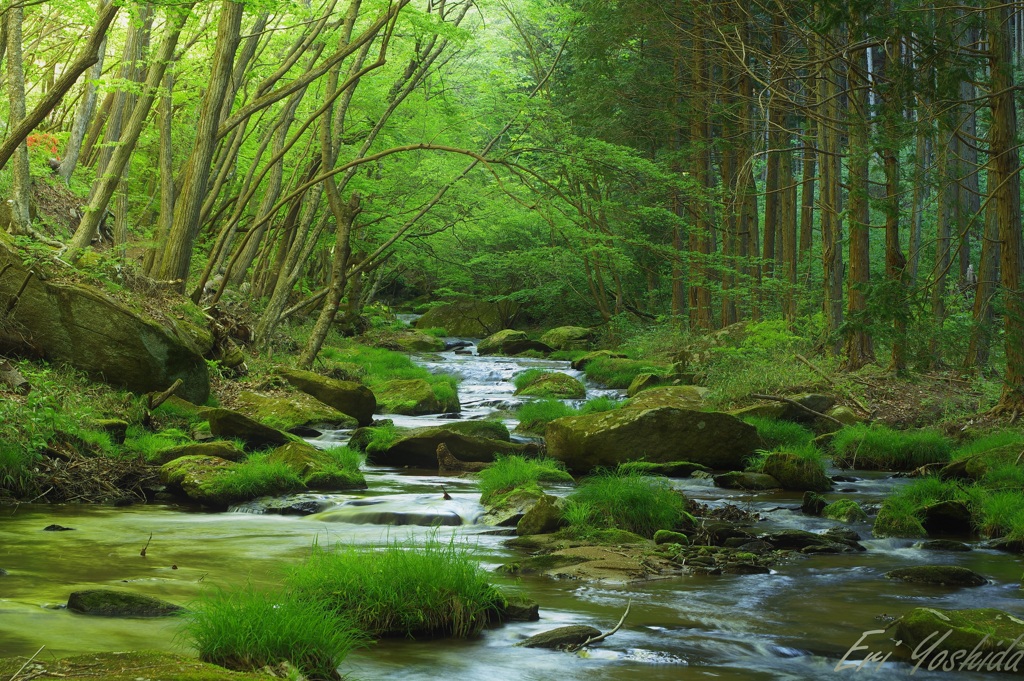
[
  {"x": 512, "y": 472},
  {"x": 435, "y": 590},
  {"x": 627, "y": 501},
  {"x": 881, "y": 448},
  {"x": 247, "y": 629}
]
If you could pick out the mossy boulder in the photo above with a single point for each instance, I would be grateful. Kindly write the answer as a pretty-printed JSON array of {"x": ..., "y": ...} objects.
[
  {"x": 507, "y": 509},
  {"x": 418, "y": 448},
  {"x": 80, "y": 325},
  {"x": 544, "y": 517},
  {"x": 221, "y": 449},
  {"x": 796, "y": 473},
  {"x": 117, "y": 429},
  {"x": 413, "y": 397},
  {"x": 553, "y": 384},
  {"x": 896, "y": 522},
  {"x": 473, "y": 319},
  {"x": 132, "y": 667},
  {"x": 658, "y": 435},
  {"x": 643, "y": 382},
  {"x": 417, "y": 341},
  {"x": 347, "y": 397},
  {"x": 986, "y": 630},
  {"x": 678, "y": 396},
  {"x": 510, "y": 342},
  {"x": 294, "y": 411},
  {"x": 317, "y": 469},
  {"x": 670, "y": 537},
  {"x": 746, "y": 481},
  {"x": 580, "y": 363},
  {"x": 845, "y": 510},
  {"x": 231, "y": 424},
  {"x": 813, "y": 504},
  {"x": 941, "y": 575},
  {"x": 947, "y": 518},
  {"x": 568, "y": 338},
  {"x": 117, "y": 603},
  {"x": 195, "y": 477}
]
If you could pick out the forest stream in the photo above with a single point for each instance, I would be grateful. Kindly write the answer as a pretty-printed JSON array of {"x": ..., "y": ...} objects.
[{"x": 794, "y": 623}]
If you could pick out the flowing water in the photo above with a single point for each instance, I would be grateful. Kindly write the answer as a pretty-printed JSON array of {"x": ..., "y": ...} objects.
[{"x": 795, "y": 623}]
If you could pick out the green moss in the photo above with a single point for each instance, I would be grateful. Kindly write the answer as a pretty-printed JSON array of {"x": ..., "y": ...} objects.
[
  {"x": 619, "y": 373},
  {"x": 534, "y": 383},
  {"x": 511, "y": 472},
  {"x": 131, "y": 667},
  {"x": 846, "y": 511}
]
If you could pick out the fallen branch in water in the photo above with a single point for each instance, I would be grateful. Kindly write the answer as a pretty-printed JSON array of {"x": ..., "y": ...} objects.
[
  {"x": 598, "y": 639},
  {"x": 143, "y": 551}
]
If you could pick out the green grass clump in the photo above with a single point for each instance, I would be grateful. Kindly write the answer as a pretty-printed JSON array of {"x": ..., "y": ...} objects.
[
  {"x": 379, "y": 366},
  {"x": 624, "y": 500},
  {"x": 248, "y": 629},
  {"x": 600, "y": 404},
  {"x": 16, "y": 469},
  {"x": 902, "y": 512},
  {"x": 526, "y": 378},
  {"x": 534, "y": 416},
  {"x": 619, "y": 373},
  {"x": 881, "y": 448},
  {"x": 435, "y": 331},
  {"x": 513, "y": 472},
  {"x": 140, "y": 440},
  {"x": 381, "y": 439},
  {"x": 256, "y": 477},
  {"x": 438, "y": 589},
  {"x": 776, "y": 433},
  {"x": 990, "y": 442},
  {"x": 1000, "y": 514}
]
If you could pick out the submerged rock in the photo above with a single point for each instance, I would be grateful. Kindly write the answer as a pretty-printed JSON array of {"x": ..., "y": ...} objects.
[
  {"x": 944, "y": 545},
  {"x": 943, "y": 575},
  {"x": 116, "y": 603},
  {"x": 664, "y": 434},
  {"x": 110, "y": 341},
  {"x": 562, "y": 637},
  {"x": 348, "y": 397},
  {"x": 231, "y": 424}
]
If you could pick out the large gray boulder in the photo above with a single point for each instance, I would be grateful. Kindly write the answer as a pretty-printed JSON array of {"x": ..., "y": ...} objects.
[
  {"x": 569, "y": 338},
  {"x": 473, "y": 319},
  {"x": 659, "y": 435},
  {"x": 347, "y": 397},
  {"x": 108, "y": 339},
  {"x": 292, "y": 411},
  {"x": 509, "y": 342}
]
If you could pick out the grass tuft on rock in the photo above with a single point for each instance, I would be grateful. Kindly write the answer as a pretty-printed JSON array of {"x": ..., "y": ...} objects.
[
  {"x": 881, "y": 448},
  {"x": 535, "y": 415},
  {"x": 777, "y": 433},
  {"x": 619, "y": 373},
  {"x": 624, "y": 500},
  {"x": 256, "y": 477},
  {"x": 513, "y": 472},
  {"x": 438, "y": 589},
  {"x": 247, "y": 629}
]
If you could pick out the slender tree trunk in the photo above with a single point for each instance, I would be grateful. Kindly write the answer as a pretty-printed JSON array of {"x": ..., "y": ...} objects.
[
  {"x": 21, "y": 182},
  {"x": 988, "y": 285},
  {"x": 166, "y": 161},
  {"x": 859, "y": 346},
  {"x": 177, "y": 255},
  {"x": 83, "y": 115},
  {"x": 831, "y": 231}
]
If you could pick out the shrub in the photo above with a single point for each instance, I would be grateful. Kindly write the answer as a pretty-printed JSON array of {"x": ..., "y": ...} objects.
[
  {"x": 881, "y": 448},
  {"x": 512, "y": 472},
  {"x": 248, "y": 629},
  {"x": 256, "y": 477},
  {"x": 626, "y": 501},
  {"x": 436, "y": 590},
  {"x": 776, "y": 433}
]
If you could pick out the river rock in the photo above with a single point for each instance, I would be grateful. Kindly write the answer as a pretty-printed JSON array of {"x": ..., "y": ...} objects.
[
  {"x": 418, "y": 448},
  {"x": 986, "y": 630},
  {"x": 510, "y": 342},
  {"x": 317, "y": 469},
  {"x": 417, "y": 341},
  {"x": 813, "y": 503},
  {"x": 520, "y": 610},
  {"x": 670, "y": 537},
  {"x": 117, "y": 429},
  {"x": 562, "y": 637},
  {"x": 510, "y": 508},
  {"x": 580, "y": 363},
  {"x": 643, "y": 382},
  {"x": 110, "y": 341},
  {"x": 808, "y": 542},
  {"x": 472, "y": 318},
  {"x": 294, "y": 411},
  {"x": 846, "y": 510},
  {"x": 677, "y": 396},
  {"x": 671, "y": 469},
  {"x": 664, "y": 434},
  {"x": 746, "y": 481},
  {"x": 221, "y": 449},
  {"x": 544, "y": 517},
  {"x": 568, "y": 338},
  {"x": 947, "y": 518},
  {"x": 347, "y": 397},
  {"x": 942, "y": 575},
  {"x": 796, "y": 473},
  {"x": 413, "y": 397},
  {"x": 230, "y": 424},
  {"x": 944, "y": 545},
  {"x": 197, "y": 478},
  {"x": 553, "y": 384},
  {"x": 116, "y": 603}
]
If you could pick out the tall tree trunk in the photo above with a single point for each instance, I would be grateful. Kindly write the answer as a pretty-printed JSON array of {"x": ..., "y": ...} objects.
[
  {"x": 177, "y": 255},
  {"x": 859, "y": 347},
  {"x": 21, "y": 182},
  {"x": 166, "y": 161},
  {"x": 83, "y": 115},
  {"x": 831, "y": 230},
  {"x": 988, "y": 285},
  {"x": 1006, "y": 156}
]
